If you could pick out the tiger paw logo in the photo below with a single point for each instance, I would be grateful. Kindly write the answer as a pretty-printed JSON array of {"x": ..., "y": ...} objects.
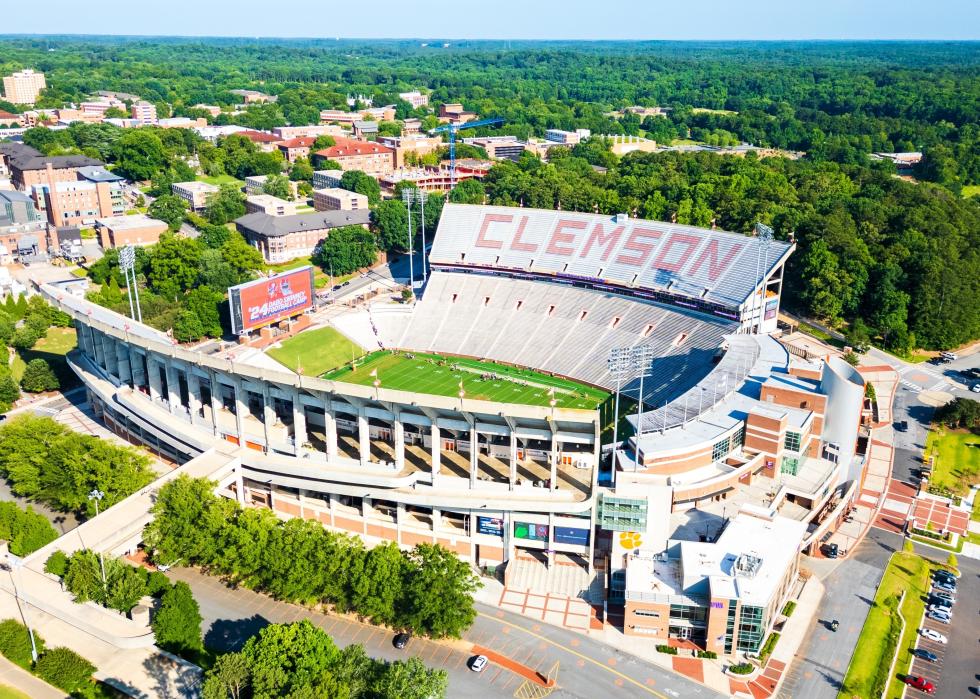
[{"x": 630, "y": 540}]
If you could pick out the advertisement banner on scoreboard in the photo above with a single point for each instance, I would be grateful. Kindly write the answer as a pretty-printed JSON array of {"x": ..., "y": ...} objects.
[
  {"x": 270, "y": 300},
  {"x": 491, "y": 526},
  {"x": 532, "y": 532}
]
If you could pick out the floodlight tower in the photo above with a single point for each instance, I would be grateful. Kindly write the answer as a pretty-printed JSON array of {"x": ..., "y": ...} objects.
[
  {"x": 127, "y": 263},
  {"x": 765, "y": 234},
  {"x": 417, "y": 196}
]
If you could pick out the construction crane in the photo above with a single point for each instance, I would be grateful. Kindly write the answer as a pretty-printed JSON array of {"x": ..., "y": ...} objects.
[{"x": 451, "y": 129}]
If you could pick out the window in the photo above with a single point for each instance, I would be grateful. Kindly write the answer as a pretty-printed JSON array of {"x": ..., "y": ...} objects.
[
  {"x": 683, "y": 611},
  {"x": 750, "y": 629},
  {"x": 792, "y": 441},
  {"x": 680, "y": 339},
  {"x": 719, "y": 451}
]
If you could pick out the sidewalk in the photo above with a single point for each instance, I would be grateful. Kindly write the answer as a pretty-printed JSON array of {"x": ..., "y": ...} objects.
[{"x": 17, "y": 677}]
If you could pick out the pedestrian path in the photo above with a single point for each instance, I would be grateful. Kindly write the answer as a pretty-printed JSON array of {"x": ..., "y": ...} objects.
[{"x": 17, "y": 677}]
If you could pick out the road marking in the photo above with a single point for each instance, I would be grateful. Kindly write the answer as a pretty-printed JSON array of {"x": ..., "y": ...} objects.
[{"x": 577, "y": 655}]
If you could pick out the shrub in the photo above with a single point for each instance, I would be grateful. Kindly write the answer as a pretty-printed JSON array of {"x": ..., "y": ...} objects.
[
  {"x": 26, "y": 530},
  {"x": 15, "y": 643},
  {"x": 669, "y": 650},
  {"x": 741, "y": 668},
  {"x": 768, "y": 647},
  {"x": 39, "y": 377},
  {"x": 789, "y": 608},
  {"x": 57, "y": 564},
  {"x": 65, "y": 669},
  {"x": 708, "y": 654}
]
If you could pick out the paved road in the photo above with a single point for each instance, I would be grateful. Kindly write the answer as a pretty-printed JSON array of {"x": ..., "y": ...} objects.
[
  {"x": 587, "y": 668},
  {"x": 824, "y": 655}
]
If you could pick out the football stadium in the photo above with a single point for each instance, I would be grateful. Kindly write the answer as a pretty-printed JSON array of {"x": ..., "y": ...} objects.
[{"x": 568, "y": 401}]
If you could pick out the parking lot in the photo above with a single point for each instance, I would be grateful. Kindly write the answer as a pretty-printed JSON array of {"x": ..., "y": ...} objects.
[{"x": 922, "y": 667}]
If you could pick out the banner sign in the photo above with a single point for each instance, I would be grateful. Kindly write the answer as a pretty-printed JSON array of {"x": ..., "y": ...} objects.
[{"x": 270, "y": 300}]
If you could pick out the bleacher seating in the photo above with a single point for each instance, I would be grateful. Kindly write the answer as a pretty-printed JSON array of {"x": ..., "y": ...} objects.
[
  {"x": 697, "y": 264},
  {"x": 558, "y": 328}
]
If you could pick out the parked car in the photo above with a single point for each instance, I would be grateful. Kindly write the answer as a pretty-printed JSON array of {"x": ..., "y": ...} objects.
[
  {"x": 944, "y": 574},
  {"x": 941, "y": 618},
  {"x": 975, "y": 388},
  {"x": 942, "y": 594},
  {"x": 971, "y": 373},
  {"x": 943, "y": 585},
  {"x": 942, "y": 609},
  {"x": 478, "y": 662},
  {"x": 830, "y": 550},
  {"x": 948, "y": 356},
  {"x": 940, "y": 602},
  {"x": 920, "y": 683},
  {"x": 933, "y": 635},
  {"x": 401, "y": 640},
  {"x": 926, "y": 655}
]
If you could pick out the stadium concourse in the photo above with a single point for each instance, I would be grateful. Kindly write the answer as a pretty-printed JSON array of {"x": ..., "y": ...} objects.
[{"x": 481, "y": 417}]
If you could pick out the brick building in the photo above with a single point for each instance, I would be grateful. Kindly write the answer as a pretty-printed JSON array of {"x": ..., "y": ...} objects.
[
  {"x": 284, "y": 238},
  {"x": 372, "y": 158},
  {"x": 119, "y": 231}
]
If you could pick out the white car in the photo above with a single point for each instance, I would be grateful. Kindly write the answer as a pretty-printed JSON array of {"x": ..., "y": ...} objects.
[
  {"x": 933, "y": 636},
  {"x": 478, "y": 663},
  {"x": 976, "y": 388}
]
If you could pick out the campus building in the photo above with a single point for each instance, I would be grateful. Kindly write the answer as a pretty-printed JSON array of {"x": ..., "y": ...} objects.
[
  {"x": 135, "y": 229},
  {"x": 284, "y": 238},
  {"x": 23, "y": 87},
  {"x": 194, "y": 193}
]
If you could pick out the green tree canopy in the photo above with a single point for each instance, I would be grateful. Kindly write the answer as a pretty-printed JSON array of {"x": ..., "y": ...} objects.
[
  {"x": 139, "y": 154},
  {"x": 362, "y": 183},
  {"x": 170, "y": 209},
  {"x": 346, "y": 250}
]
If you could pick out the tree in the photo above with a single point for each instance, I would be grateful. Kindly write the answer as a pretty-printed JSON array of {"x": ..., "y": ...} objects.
[
  {"x": 347, "y": 249},
  {"x": 39, "y": 377},
  {"x": 301, "y": 171},
  {"x": 284, "y": 657},
  {"x": 411, "y": 679},
  {"x": 437, "y": 598},
  {"x": 174, "y": 265},
  {"x": 65, "y": 669},
  {"x": 215, "y": 270},
  {"x": 242, "y": 257},
  {"x": 189, "y": 520},
  {"x": 362, "y": 183},
  {"x": 9, "y": 390},
  {"x": 205, "y": 302},
  {"x": 24, "y": 337},
  {"x": 952, "y": 563},
  {"x": 375, "y": 590},
  {"x": 278, "y": 186},
  {"x": 7, "y": 326},
  {"x": 177, "y": 624},
  {"x": 468, "y": 192},
  {"x": 225, "y": 205},
  {"x": 228, "y": 677},
  {"x": 170, "y": 209},
  {"x": 83, "y": 578},
  {"x": 25, "y": 530},
  {"x": 188, "y": 326},
  {"x": 390, "y": 219},
  {"x": 139, "y": 154},
  {"x": 323, "y": 141},
  {"x": 57, "y": 564}
]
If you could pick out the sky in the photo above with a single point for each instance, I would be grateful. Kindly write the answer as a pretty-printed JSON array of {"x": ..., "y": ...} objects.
[{"x": 506, "y": 19}]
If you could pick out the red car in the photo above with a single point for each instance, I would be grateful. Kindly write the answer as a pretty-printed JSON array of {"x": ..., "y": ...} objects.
[{"x": 920, "y": 683}]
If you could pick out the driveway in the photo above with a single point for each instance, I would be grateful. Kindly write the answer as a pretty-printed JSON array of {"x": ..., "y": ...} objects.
[
  {"x": 822, "y": 660},
  {"x": 586, "y": 668}
]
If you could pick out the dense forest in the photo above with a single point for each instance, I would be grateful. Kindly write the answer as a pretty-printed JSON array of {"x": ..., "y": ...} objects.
[{"x": 895, "y": 259}]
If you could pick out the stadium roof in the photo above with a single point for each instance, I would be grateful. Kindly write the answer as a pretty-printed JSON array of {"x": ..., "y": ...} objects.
[{"x": 698, "y": 263}]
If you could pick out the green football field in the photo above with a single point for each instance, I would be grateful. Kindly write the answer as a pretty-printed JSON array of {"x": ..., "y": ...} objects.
[
  {"x": 316, "y": 351},
  {"x": 440, "y": 376}
]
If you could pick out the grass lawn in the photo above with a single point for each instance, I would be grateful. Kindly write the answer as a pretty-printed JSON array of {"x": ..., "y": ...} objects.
[
  {"x": 320, "y": 278},
  {"x": 685, "y": 142},
  {"x": 975, "y": 515},
  {"x": 316, "y": 351},
  {"x": 438, "y": 375},
  {"x": 53, "y": 347},
  {"x": 957, "y": 458},
  {"x": 866, "y": 675},
  {"x": 218, "y": 180},
  {"x": 971, "y": 190},
  {"x": 11, "y": 693}
]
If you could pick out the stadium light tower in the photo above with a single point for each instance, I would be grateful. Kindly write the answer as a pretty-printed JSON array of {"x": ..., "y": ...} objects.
[
  {"x": 408, "y": 197},
  {"x": 417, "y": 196},
  {"x": 622, "y": 362},
  {"x": 765, "y": 234},
  {"x": 127, "y": 263}
]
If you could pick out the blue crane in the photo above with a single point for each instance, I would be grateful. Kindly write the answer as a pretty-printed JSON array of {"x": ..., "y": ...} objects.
[{"x": 451, "y": 129}]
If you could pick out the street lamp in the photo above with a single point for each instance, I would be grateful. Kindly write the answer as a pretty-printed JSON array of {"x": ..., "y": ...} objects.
[
  {"x": 15, "y": 563},
  {"x": 96, "y": 496}
]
